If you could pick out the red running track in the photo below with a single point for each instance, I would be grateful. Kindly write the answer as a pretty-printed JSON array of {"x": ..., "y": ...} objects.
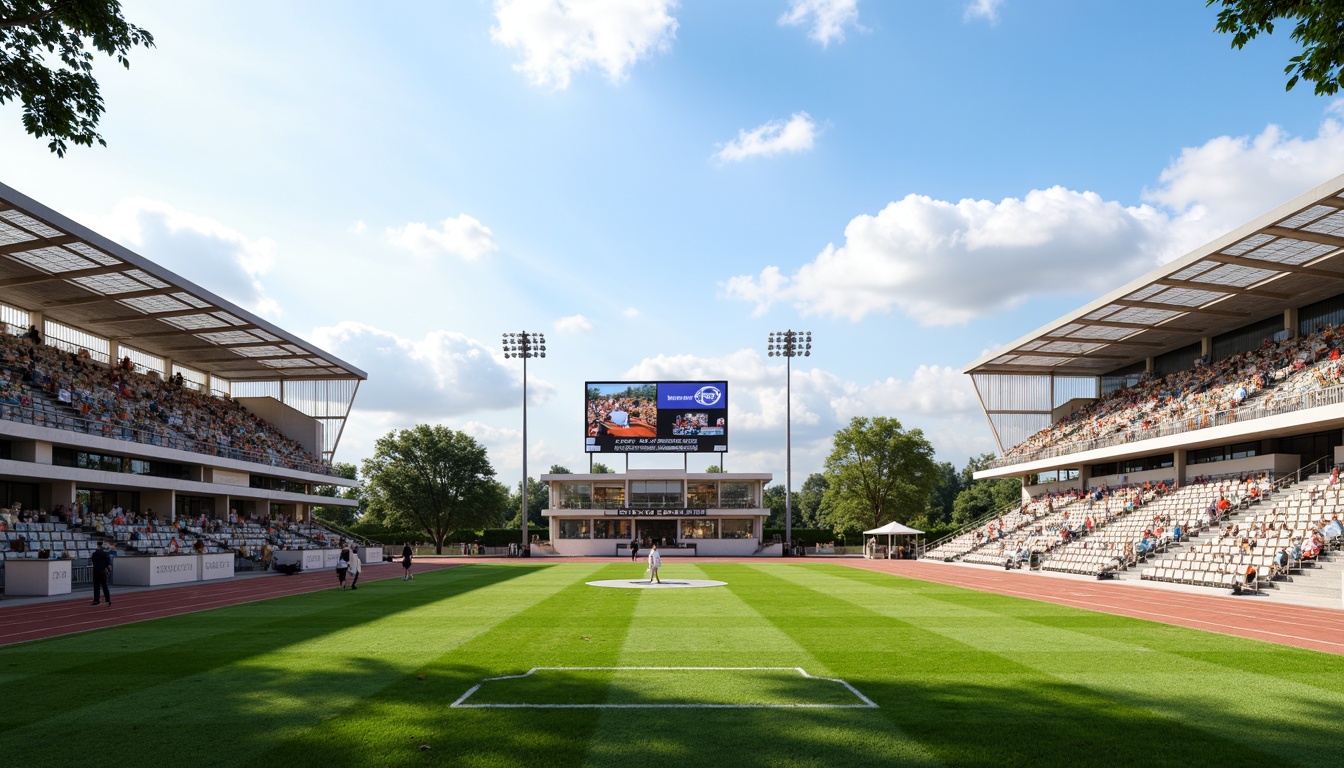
[
  {"x": 34, "y": 621},
  {"x": 1320, "y": 629}
]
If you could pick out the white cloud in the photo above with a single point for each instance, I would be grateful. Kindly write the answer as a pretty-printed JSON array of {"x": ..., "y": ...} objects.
[
  {"x": 463, "y": 236},
  {"x": 630, "y": 312},
  {"x": 440, "y": 375},
  {"x": 940, "y": 400},
  {"x": 776, "y": 137},
  {"x": 359, "y": 227},
  {"x": 559, "y": 38},
  {"x": 982, "y": 9},
  {"x": 827, "y": 19},
  {"x": 574, "y": 324},
  {"x": 201, "y": 249},
  {"x": 943, "y": 263}
]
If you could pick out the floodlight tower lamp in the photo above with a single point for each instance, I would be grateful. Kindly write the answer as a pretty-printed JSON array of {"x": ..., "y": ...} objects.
[
  {"x": 525, "y": 346},
  {"x": 788, "y": 345}
]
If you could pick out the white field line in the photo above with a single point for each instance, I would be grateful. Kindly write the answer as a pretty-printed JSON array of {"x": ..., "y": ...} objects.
[{"x": 867, "y": 702}]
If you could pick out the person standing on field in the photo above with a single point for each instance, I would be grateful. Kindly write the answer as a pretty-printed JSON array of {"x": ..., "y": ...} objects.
[
  {"x": 655, "y": 562},
  {"x": 355, "y": 567},
  {"x": 342, "y": 565},
  {"x": 102, "y": 573},
  {"x": 406, "y": 561}
]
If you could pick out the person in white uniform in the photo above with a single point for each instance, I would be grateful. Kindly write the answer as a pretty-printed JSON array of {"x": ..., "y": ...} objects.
[{"x": 655, "y": 562}]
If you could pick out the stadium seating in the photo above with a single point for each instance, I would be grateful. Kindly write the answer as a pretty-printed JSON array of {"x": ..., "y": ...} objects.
[
  {"x": 43, "y": 385},
  {"x": 1277, "y": 375}
]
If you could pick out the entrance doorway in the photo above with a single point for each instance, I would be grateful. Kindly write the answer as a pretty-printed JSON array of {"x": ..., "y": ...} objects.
[{"x": 661, "y": 532}]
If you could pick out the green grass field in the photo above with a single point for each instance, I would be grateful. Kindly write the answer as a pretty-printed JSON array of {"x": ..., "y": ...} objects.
[{"x": 368, "y": 678}]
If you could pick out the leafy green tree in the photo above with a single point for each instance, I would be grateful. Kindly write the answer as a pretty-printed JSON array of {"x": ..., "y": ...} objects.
[
  {"x": 560, "y": 469},
  {"x": 1319, "y": 30},
  {"x": 877, "y": 472},
  {"x": 944, "y": 495},
  {"x": 809, "y": 503},
  {"x": 773, "y": 498},
  {"x": 602, "y": 469},
  {"x": 431, "y": 479},
  {"x": 341, "y": 516},
  {"x": 61, "y": 98},
  {"x": 713, "y": 469},
  {"x": 981, "y": 497},
  {"x": 538, "y": 498}
]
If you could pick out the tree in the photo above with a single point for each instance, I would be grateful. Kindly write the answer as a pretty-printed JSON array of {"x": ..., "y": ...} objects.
[
  {"x": 602, "y": 469},
  {"x": 773, "y": 498},
  {"x": 343, "y": 517},
  {"x": 944, "y": 495},
  {"x": 981, "y": 497},
  {"x": 713, "y": 469},
  {"x": 877, "y": 472},
  {"x": 809, "y": 504},
  {"x": 1319, "y": 30},
  {"x": 538, "y": 498},
  {"x": 432, "y": 479},
  {"x": 560, "y": 469},
  {"x": 62, "y": 102}
]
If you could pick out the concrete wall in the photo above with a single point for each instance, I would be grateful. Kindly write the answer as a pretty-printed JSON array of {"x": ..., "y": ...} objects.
[
  {"x": 304, "y": 430},
  {"x": 1063, "y": 485}
]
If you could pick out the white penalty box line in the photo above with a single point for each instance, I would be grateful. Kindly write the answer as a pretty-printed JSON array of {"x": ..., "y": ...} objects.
[{"x": 868, "y": 703}]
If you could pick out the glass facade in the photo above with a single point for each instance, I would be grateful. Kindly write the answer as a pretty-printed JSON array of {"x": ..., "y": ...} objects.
[
  {"x": 655, "y": 494},
  {"x": 576, "y": 528},
  {"x": 702, "y": 495},
  {"x": 736, "y": 528},
  {"x": 613, "y": 529},
  {"x": 699, "y": 528},
  {"x": 735, "y": 496}
]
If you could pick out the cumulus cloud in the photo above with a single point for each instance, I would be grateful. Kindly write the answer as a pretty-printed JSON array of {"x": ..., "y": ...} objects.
[
  {"x": 559, "y": 38},
  {"x": 797, "y": 134},
  {"x": 938, "y": 399},
  {"x": 825, "y": 19},
  {"x": 574, "y": 324},
  {"x": 440, "y": 375},
  {"x": 987, "y": 10},
  {"x": 359, "y": 227},
  {"x": 944, "y": 263},
  {"x": 630, "y": 312},
  {"x": 203, "y": 250},
  {"x": 463, "y": 236}
]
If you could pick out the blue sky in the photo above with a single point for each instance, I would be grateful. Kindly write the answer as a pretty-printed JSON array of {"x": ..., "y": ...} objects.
[{"x": 658, "y": 185}]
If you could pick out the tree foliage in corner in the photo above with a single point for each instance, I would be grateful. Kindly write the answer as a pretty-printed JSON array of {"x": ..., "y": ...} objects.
[
  {"x": 981, "y": 497},
  {"x": 341, "y": 516},
  {"x": 61, "y": 99},
  {"x": 1320, "y": 31},
  {"x": 432, "y": 479},
  {"x": 877, "y": 472}
]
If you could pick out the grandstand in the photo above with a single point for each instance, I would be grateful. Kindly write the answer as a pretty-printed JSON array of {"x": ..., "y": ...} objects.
[
  {"x": 1213, "y": 375},
  {"x": 139, "y": 406}
]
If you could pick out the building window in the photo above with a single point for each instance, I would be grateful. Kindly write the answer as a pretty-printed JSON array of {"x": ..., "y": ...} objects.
[
  {"x": 608, "y": 496},
  {"x": 612, "y": 529},
  {"x": 735, "y": 496},
  {"x": 699, "y": 529},
  {"x": 576, "y": 529},
  {"x": 655, "y": 494},
  {"x": 738, "y": 528},
  {"x": 702, "y": 495},
  {"x": 576, "y": 495}
]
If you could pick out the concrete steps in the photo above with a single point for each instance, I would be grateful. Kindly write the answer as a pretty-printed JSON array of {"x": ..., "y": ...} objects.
[{"x": 1321, "y": 585}]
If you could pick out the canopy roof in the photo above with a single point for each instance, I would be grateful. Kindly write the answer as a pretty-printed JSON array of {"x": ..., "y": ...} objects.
[
  {"x": 1289, "y": 257},
  {"x": 894, "y": 529},
  {"x": 79, "y": 278}
]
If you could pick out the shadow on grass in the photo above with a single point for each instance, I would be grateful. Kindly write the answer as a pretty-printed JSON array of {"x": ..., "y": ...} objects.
[{"x": 159, "y": 683}]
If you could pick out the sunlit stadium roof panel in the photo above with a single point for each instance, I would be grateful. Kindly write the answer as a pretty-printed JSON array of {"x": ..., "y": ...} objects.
[{"x": 76, "y": 277}]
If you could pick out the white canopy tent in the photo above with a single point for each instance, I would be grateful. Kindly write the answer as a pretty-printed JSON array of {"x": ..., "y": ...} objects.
[{"x": 893, "y": 529}]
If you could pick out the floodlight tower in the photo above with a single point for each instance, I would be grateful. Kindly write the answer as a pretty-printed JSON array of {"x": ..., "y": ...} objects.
[
  {"x": 788, "y": 345},
  {"x": 526, "y": 346}
]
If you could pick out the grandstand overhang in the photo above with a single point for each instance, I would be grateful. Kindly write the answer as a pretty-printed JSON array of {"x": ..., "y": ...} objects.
[
  {"x": 1289, "y": 257},
  {"x": 68, "y": 274}
]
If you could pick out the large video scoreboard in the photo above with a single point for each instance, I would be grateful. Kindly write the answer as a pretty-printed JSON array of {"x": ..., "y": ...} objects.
[{"x": 656, "y": 417}]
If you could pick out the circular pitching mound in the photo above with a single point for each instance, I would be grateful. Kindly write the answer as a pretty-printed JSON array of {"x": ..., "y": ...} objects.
[{"x": 665, "y": 584}]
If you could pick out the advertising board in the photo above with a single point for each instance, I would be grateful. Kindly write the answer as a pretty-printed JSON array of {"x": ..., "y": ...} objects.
[{"x": 656, "y": 417}]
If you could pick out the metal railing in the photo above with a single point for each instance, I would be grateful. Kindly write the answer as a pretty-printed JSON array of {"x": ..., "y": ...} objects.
[
  {"x": 54, "y": 418},
  {"x": 1318, "y": 399}
]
